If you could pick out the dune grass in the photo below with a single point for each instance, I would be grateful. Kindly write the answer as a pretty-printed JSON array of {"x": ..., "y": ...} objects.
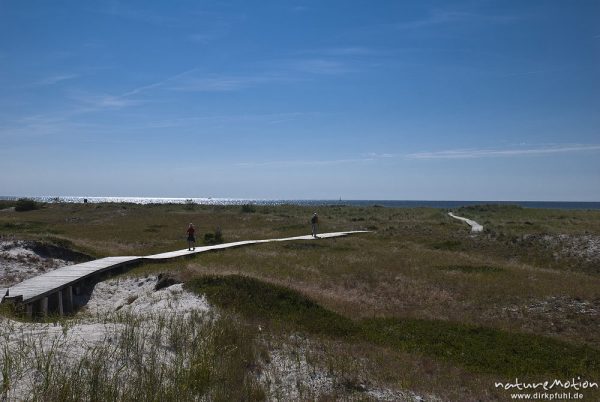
[{"x": 162, "y": 357}]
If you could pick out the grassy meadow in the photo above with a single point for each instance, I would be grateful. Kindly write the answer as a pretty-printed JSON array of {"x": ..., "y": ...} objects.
[{"x": 419, "y": 303}]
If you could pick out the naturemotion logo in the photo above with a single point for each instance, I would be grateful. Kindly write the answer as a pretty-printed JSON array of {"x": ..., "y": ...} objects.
[{"x": 575, "y": 384}]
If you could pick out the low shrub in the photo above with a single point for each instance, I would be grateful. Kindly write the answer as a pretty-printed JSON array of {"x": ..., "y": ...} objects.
[
  {"x": 7, "y": 204},
  {"x": 189, "y": 204},
  {"x": 25, "y": 204},
  {"x": 248, "y": 208},
  {"x": 213, "y": 238}
]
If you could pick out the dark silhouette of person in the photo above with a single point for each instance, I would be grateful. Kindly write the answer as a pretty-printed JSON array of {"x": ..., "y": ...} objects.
[
  {"x": 191, "y": 238},
  {"x": 314, "y": 223}
]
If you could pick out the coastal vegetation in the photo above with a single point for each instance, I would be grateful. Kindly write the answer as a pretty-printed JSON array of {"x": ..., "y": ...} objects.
[{"x": 419, "y": 304}]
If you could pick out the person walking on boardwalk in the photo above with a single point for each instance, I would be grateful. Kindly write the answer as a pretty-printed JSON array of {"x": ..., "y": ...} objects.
[
  {"x": 314, "y": 222},
  {"x": 191, "y": 238}
]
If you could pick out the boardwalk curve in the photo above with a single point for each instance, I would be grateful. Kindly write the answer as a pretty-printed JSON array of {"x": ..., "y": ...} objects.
[{"x": 475, "y": 227}]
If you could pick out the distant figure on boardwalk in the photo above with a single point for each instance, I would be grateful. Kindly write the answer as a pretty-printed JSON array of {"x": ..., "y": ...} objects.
[
  {"x": 191, "y": 238},
  {"x": 314, "y": 222}
]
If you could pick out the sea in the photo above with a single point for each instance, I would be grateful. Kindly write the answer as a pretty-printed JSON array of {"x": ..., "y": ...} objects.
[{"x": 242, "y": 201}]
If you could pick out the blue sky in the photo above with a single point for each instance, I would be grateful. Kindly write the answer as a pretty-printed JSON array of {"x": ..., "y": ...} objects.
[{"x": 485, "y": 100}]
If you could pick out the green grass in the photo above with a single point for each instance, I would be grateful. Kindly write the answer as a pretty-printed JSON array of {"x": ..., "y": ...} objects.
[
  {"x": 451, "y": 245},
  {"x": 475, "y": 348},
  {"x": 486, "y": 350},
  {"x": 468, "y": 269},
  {"x": 259, "y": 300}
]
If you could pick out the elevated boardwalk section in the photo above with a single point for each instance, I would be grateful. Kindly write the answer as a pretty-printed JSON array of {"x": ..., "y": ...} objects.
[
  {"x": 54, "y": 290},
  {"x": 50, "y": 282},
  {"x": 475, "y": 227}
]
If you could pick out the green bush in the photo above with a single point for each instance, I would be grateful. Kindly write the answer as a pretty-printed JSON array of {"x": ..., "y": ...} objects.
[
  {"x": 213, "y": 238},
  {"x": 189, "y": 204},
  {"x": 25, "y": 204},
  {"x": 248, "y": 208},
  {"x": 7, "y": 204}
]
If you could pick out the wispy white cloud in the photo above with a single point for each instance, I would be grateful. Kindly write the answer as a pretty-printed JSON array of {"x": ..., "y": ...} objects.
[
  {"x": 447, "y": 154},
  {"x": 376, "y": 155},
  {"x": 338, "y": 51},
  {"x": 193, "y": 81},
  {"x": 322, "y": 66},
  {"x": 41, "y": 125},
  {"x": 440, "y": 17},
  {"x": 91, "y": 102},
  {"x": 283, "y": 70},
  {"x": 224, "y": 83},
  {"x": 157, "y": 84},
  {"x": 125, "y": 11},
  {"x": 497, "y": 153},
  {"x": 265, "y": 118},
  {"x": 203, "y": 38},
  {"x": 54, "y": 79},
  {"x": 292, "y": 163},
  {"x": 299, "y": 9},
  {"x": 216, "y": 28}
]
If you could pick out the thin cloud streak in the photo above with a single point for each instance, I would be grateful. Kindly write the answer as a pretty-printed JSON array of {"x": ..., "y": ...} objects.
[
  {"x": 54, "y": 79},
  {"x": 100, "y": 102},
  {"x": 221, "y": 83},
  {"x": 157, "y": 84},
  {"x": 499, "y": 153},
  {"x": 292, "y": 163},
  {"x": 447, "y": 154},
  {"x": 440, "y": 17},
  {"x": 122, "y": 10}
]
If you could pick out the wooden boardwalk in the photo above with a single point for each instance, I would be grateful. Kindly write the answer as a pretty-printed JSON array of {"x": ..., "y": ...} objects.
[
  {"x": 181, "y": 253},
  {"x": 54, "y": 290},
  {"x": 475, "y": 227},
  {"x": 50, "y": 282}
]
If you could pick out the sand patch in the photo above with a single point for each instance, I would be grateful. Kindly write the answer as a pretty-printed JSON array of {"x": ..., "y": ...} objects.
[
  {"x": 120, "y": 315},
  {"x": 18, "y": 261}
]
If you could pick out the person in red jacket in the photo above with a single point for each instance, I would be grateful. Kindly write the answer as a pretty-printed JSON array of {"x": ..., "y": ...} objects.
[{"x": 191, "y": 238}]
